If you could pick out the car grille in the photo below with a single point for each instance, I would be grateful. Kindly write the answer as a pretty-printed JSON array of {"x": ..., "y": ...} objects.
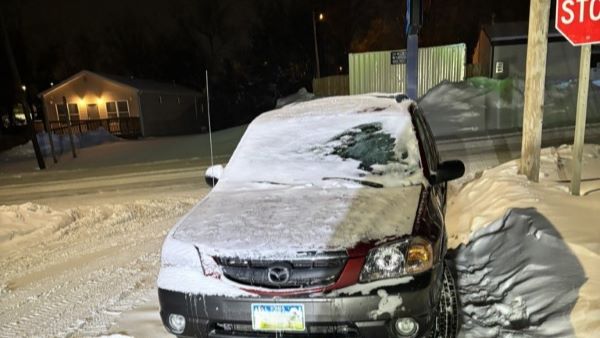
[{"x": 311, "y": 270}]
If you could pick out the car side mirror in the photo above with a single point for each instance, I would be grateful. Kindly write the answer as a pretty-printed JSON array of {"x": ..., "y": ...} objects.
[
  {"x": 448, "y": 171},
  {"x": 213, "y": 174}
]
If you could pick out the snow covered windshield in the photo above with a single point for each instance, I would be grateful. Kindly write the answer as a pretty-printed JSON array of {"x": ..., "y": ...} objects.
[{"x": 335, "y": 142}]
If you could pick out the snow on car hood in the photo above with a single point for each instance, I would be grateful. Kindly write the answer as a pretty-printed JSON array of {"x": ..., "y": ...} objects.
[{"x": 281, "y": 222}]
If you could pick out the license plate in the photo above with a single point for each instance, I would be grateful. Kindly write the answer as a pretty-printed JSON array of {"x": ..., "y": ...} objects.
[{"x": 278, "y": 317}]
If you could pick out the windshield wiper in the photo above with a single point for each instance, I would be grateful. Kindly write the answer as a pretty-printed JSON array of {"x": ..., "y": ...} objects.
[
  {"x": 363, "y": 182},
  {"x": 273, "y": 183}
]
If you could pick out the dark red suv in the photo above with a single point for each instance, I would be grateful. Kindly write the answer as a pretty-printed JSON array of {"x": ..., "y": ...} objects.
[{"x": 328, "y": 221}]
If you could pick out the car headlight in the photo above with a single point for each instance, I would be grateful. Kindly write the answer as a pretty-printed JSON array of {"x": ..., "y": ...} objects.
[{"x": 397, "y": 259}]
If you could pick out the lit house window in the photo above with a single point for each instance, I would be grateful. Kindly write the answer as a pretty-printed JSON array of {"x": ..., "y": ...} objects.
[
  {"x": 92, "y": 111},
  {"x": 74, "y": 111},
  {"x": 111, "y": 110},
  {"x": 123, "y": 107},
  {"x": 61, "y": 112}
]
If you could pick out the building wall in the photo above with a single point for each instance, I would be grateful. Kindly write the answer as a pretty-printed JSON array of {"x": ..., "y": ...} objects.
[
  {"x": 374, "y": 71},
  {"x": 170, "y": 114},
  {"x": 562, "y": 62},
  {"x": 91, "y": 89}
]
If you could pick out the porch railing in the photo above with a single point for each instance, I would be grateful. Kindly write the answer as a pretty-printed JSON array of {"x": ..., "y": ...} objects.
[{"x": 127, "y": 127}]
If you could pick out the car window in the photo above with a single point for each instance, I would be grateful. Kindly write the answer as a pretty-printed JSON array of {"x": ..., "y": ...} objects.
[
  {"x": 373, "y": 148},
  {"x": 428, "y": 141}
]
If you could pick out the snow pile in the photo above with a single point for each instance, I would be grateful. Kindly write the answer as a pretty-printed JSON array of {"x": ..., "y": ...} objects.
[
  {"x": 529, "y": 272},
  {"x": 17, "y": 221},
  {"x": 301, "y": 96},
  {"x": 481, "y": 105},
  {"x": 518, "y": 277}
]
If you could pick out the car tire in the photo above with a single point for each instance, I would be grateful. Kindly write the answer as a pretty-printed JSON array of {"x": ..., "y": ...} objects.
[{"x": 447, "y": 319}]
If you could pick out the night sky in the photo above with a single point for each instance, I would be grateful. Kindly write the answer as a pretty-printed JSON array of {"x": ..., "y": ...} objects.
[{"x": 255, "y": 50}]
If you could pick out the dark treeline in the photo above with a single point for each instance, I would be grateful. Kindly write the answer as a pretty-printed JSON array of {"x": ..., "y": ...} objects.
[{"x": 255, "y": 50}]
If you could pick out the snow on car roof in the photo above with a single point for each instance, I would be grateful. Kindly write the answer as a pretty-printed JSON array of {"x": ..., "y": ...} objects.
[{"x": 331, "y": 142}]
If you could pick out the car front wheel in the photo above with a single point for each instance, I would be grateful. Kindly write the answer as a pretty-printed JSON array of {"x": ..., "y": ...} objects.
[{"x": 446, "y": 323}]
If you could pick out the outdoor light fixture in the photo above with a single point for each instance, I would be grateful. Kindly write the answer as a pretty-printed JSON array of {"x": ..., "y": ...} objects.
[
  {"x": 321, "y": 16},
  {"x": 406, "y": 327},
  {"x": 23, "y": 87},
  {"x": 177, "y": 323}
]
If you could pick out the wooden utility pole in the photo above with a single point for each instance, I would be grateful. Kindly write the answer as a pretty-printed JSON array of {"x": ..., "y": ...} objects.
[
  {"x": 582, "y": 99},
  {"x": 20, "y": 90},
  {"x": 535, "y": 77}
]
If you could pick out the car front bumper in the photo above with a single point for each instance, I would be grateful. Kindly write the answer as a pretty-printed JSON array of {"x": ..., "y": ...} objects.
[{"x": 340, "y": 316}]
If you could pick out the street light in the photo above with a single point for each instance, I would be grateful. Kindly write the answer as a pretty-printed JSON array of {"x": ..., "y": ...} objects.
[{"x": 321, "y": 17}]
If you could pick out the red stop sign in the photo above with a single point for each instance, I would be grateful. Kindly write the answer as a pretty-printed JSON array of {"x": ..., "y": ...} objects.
[{"x": 579, "y": 20}]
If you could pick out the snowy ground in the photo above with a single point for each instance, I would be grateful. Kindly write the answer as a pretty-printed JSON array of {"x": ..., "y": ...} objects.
[
  {"x": 79, "y": 243},
  {"x": 80, "y": 259}
]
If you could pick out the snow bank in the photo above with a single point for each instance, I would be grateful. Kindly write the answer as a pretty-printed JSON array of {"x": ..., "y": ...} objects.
[
  {"x": 518, "y": 277},
  {"x": 481, "y": 105},
  {"x": 17, "y": 221},
  {"x": 532, "y": 271},
  {"x": 301, "y": 96}
]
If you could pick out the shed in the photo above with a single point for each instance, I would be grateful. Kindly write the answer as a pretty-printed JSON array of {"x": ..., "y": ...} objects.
[
  {"x": 501, "y": 52},
  {"x": 124, "y": 106},
  {"x": 385, "y": 71}
]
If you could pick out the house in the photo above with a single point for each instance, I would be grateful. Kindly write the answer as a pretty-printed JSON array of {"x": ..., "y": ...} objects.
[
  {"x": 501, "y": 52},
  {"x": 122, "y": 105}
]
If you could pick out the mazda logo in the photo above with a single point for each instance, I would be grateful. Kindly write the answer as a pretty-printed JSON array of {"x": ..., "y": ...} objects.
[{"x": 278, "y": 274}]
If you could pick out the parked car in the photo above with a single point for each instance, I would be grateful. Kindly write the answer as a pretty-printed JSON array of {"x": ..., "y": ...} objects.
[{"x": 328, "y": 221}]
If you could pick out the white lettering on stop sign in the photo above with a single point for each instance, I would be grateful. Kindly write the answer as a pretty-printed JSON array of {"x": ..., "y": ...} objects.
[{"x": 569, "y": 11}]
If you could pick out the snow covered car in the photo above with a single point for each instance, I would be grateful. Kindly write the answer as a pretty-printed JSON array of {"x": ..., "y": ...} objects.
[{"x": 328, "y": 221}]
